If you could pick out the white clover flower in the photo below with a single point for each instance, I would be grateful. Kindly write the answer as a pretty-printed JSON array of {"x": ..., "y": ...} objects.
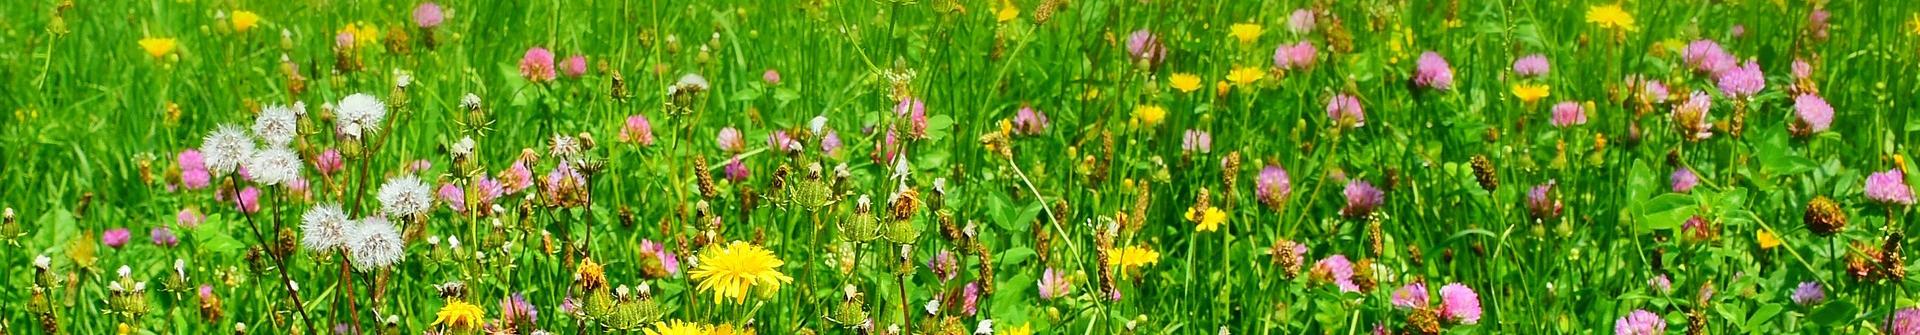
[
  {"x": 274, "y": 166},
  {"x": 324, "y": 228},
  {"x": 240, "y": 327},
  {"x": 453, "y": 242},
  {"x": 375, "y": 243},
  {"x": 359, "y": 114},
  {"x": 277, "y": 124},
  {"x": 405, "y": 196},
  {"x": 225, "y": 148}
]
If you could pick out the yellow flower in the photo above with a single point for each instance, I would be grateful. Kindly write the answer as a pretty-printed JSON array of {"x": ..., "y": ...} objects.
[
  {"x": 1149, "y": 115},
  {"x": 1209, "y": 220},
  {"x": 460, "y": 315},
  {"x": 1133, "y": 256},
  {"x": 1246, "y": 75},
  {"x": 158, "y": 47},
  {"x": 739, "y": 266},
  {"x": 1221, "y": 88},
  {"x": 1530, "y": 92},
  {"x": 1023, "y": 329},
  {"x": 364, "y": 34},
  {"x": 1766, "y": 239},
  {"x": 1245, "y": 32},
  {"x": 1185, "y": 82},
  {"x": 1611, "y": 16},
  {"x": 591, "y": 274},
  {"x": 1914, "y": 24},
  {"x": 727, "y": 329},
  {"x": 244, "y": 20},
  {"x": 676, "y": 327},
  {"x": 1007, "y": 12}
]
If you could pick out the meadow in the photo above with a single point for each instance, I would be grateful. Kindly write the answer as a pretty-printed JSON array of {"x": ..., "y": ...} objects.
[{"x": 958, "y": 167}]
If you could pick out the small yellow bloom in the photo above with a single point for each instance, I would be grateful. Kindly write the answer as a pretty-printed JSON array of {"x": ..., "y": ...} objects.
[
  {"x": 1149, "y": 115},
  {"x": 1221, "y": 88},
  {"x": 460, "y": 315},
  {"x": 730, "y": 271},
  {"x": 1611, "y": 16},
  {"x": 1530, "y": 93},
  {"x": 1766, "y": 239},
  {"x": 1008, "y": 11},
  {"x": 727, "y": 329},
  {"x": 1914, "y": 25},
  {"x": 1132, "y": 257},
  {"x": 1246, "y": 75},
  {"x": 1185, "y": 82},
  {"x": 1245, "y": 32},
  {"x": 364, "y": 34},
  {"x": 1023, "y": 329},
  {"x": 1090, "y": 94},
  {"x": 158, "y": 47},
  {"x": 676, "y": 327},
  {"x": 1208, "y": 220},
  {"x": 244, "y": 20}
]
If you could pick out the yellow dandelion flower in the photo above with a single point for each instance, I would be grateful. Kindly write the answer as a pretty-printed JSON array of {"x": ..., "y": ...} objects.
[
  {"x": 727, "y": 329},
  {"x": 1007, "y": 12},
  {"x": 244, "y": 20},
  {"x": 1131, "y": 257},
  {"x": 739, "y": 266},
  {"x": 1530, "y": 93},
  {"x": 460, "y": 315},
  {"x": 676, "y": 327},
  {"x": 158, "y": 47},
  {"x": 1185, "y": 82},
  {"x": 1611, "y": 16},
  {"x": 1221, "y": 88},
  {"x": 1246, "y": 75},
  {"x": 1149, "y": 115},
  {"x": 1245, "y": 32},
  {"x": 1023, "y": 329},
  {"x": 364, "y": 34},
  {"x": 1208, "y": 220},
  {"x": 1766, "y": 238}
]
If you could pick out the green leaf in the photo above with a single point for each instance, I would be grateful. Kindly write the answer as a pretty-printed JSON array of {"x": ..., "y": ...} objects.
[
  {"x": 1835, "y": 312},
  {"x": 1014, "y": 256},
  {"x": 1666, "y": 211},
  {"x": 1762, "y": 316}
]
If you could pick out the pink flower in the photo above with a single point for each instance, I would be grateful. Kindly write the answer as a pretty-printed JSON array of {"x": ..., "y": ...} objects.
[
  {"x": 1145, "y": 47},
  {"x": 1197, "y": 141},
  {"x": 1029, "y": 121},
  {"x": 249, "y": 200},
  {"x": 1683, "y": 180},
  {"x": 343, "y": 40},
  {"x": 1640, "y": 322},
  {"x": 454, "y": 197},
  {"x": 1272, "y": 186},
  {"x": 189, "y": 218},
  {"x": 327, "y": 162},
  {"x": 1053, "y": 284},
  {"x": 730, "y": 141},
  {"x": 195, "y": 179},
  {"x": 1691, "y": 116},
  {"x": 1345, "y": 110},
  {"x": 772, "y": 77},
  {"x": 914, "y": 111},
  {"x": 1905, "y": 321},
  {"x": 637, "y": 131},
  {"x": 1742, "y": 82},
  {"x": 1336, "y": 270},
  {"x": 1648, "y": 91},
  {"x": 1811, "y": 114},
  {"x": 1543, "y": 202},
  {"x": 116, "y": 237},
  {"x": 1459, "y": 304},
  {"x": 1706, "y": 56},
  {"x": 419, "y": 165},
  {"x": 428, "y": 15},
  {"x": 489, "y": 190},
  {"x": 1889, "y": 187},
  {"x": 737, "y": 170},
  {"x": 1301, "y": 21},
  {"x": 1531, "y": 66},
  {"x": 537, "y": 65},
  {"x": 781, "y": 142},
  {"x": 1801, "y": 69},
  {"x": 1411, "y": 296},
  {"x": 830, "y": 144},
  {"x": 161, "y": 236},
  {"x": 1432, "y": 72},
  {"x": 517, "y": 177},
  {"x": 1568, "y": 113},
  {"x": 1294, "y": 56},
  {"x": 576, "y": 66},
  {"x": 658, "y": 253},
  {"x": 1362, "y": 199}
]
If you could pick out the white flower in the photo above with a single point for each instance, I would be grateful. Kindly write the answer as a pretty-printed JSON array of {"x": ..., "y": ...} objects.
[
  {"x": 464, "y": 147},
  {"x": 358, "y": 114},
  {"x": 124, "y": 271},
  {"x": 819, "y": 123},
  {"x": 274, "y": 166},
  {"x": 324, "y": 227},
  {"x": 375, "y": 243},
  {"x": 689, "y": 81},
  {"x": 401, "y": 78},
  {"x": 299, "y": 108},
  {"x": 405, "y": 196},
  {"x": 933, "y": 306},
  {"x": 564, "y": 146},
  {"x": 276, "y": 124},
  {"x": 470, "y": 101},
  {"x": 180, "y": 266},
  {"x": 43, "y": 262},
  {"x": 240, "y": 327},
  {"x": 225, "y": 148},
  {"x": 984, "y": 328},
  {"x": 453, "y": 242}
]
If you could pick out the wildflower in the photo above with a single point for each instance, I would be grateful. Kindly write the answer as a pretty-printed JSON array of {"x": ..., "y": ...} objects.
[
  {"x": 249, "y": 200},
  {"x": 1132, "y": 257},
  {"x": 226, "y": 148},
  {"x": 1272, "y": 187},
  {"x": 943, "y": 265},
  {"x": 1698, "y": 229},
  {"x": 1742, "y": 82},
  {"x": 1811, "y": 115},
  {"x": 1690, "y": 117},
  {"x": 1149, "y": 115},
  {"x": 374, "y": 243},
  {"x": 1458, "y": 303},
  {"x": 516, "y": 178},
  {"x": 460, "y": 315},
  {"x": 1706, "y": 56},
  {"x": 737, "y": 170},
  {"x": 244, "y": 20},
  {"x": 189, "y": 218},
  {"x": 327, "y": 162},
  {"x": 1246, "y": 75},
  {"x": 831, "y": 144},
  {"x": 1528, "y": 93},
  {"x": 1808, "y": 294},
  {"x": 537, "y": 65},
  {"x": 1362, "y": 199},
  {"x": 274, "y": 166},
  {"x": 453, "y": 196},
  {"x": 1053, "y": 284},
  {"x": 1801, "y": 69},
  {"x": 676, "y": 327},
  {"x": 428, "y": 15},
  {"x": 358, "y": 35},
  {"x": 324, "y": 227},
  {"x": 405, "y": 196},
  {"x": 1889, "y": 188},
  {"x": 1766, "y": 239},
  {"x": 1196, "y": 140},
  {"x": 914, "y": 111},
  {"x": 1300, "y": 21},
  {"x": 729, "y": 271},
  {"x": 515, "y": 311},
  {"x": 1411, "y": 296},
  {"x": 1345, "y": 110},
  {"x": 1683, "y": 180},
  {"x": 1648, "y": 91},
  {"x": 116, "y": 237},
  {"x": 1184, "y": 82},
  {"x": 1611, "y": 17},
  {"x": 1143, "y": 46},
  {"x": 656, "y": 261},
  {"x": 1568, "y": 113},
  {"x": 1432, "y": 72},
  {"x": 637, "y": 131},
  {"x": 1531, "y": 66},
  {"x": 729, "y": 140},
  {"x": 772, "y": 77},
  {"x": 1028, "y": 121},
  {"x": 1824, "y": 217},
  {"x": 1660, "y": 284},
  {"x": 1247, "y": 33},
  {"x": 359, "y": 114},
  {"x": 158, "y": 47},
  {"x": 781, "y": 142},
  {"x": 1640, "y": 322},
  {"x": 576, "y": 66},
  {"x": 1905, "y": 321},
  {"x": 1208, "y": 219},
  {"x": 1294, "y": 56},
  {"x": 1335, "y": 270}
]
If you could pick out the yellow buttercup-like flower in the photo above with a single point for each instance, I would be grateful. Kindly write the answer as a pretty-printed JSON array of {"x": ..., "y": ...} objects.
[
  {"x": 158, "y": 47},
  {"x": 1007, "y": 12},
  {"x": 1766, "y": 239},
  {"x": 1185, "y": 82},
  {"x": 727, "y": 329},
  {"x": 1023, "y": 329},
  {"x": 1246, "y": 75},
  {"x": 1208, "y": 220},
  {"x": 1611, "y": 16},
  {"x": 1913, "y": 25},
  {"x": 732, "y": 270},
  {"x": 1245, "y": 32},
  {"x": 676, "y": 327},
  {"x": 1530, "y": 93},
  {"x": 364, "y": 34},
  {"x": 244, "y": 20},
  {"x": 1149, "y": 115},
  {"x": 1132, "y": 257},
  {"x": 460, "y": 315}
]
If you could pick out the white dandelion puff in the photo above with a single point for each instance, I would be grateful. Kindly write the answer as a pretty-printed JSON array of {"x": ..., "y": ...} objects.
[
  {"x": 470, "y": 101},
  {"x": 274, "y": 166},
  {"x": 405, "y": 196},
  {"x": 359, "y": 114},
  {"x": 324, "y": 228},
  {"x": 276, "y": 124},
  {"x": 225, "y": 148},
  {"x": 375, "y": 243}
]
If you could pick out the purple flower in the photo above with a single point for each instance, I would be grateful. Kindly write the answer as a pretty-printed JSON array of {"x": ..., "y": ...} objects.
[
  {"x": 943, "y": 265},
  {"x": 537, "y": 65},
  {"x": 914, "y": 111},
  {"x": 772, "y": 77},
  {"x": 1196, "y": 141},
  {"x": 418, "y": 166},
  {"x": 515, "y": 310},
  {"x": 1809, "y": 294},
  {"x": 1336, "y": 270},
  {"x": 1691, "y": 116},
  {"x": 1362, "y": 199},
  {"x": 327, "y": 162},
  {"x": 1742, "y": 82},
  {"x": 1811, "y": 114},
  {"x": 1660, "y": 283},
  {"x": 116, "y": 237},
  {"x": 489, "y": 189},
  {"x": 161, "y": 236},
  {"x": 1411, "y": 296},
  {"x": 1889, "y": 187},
  {"x": 1568, "y": 113},
  {"x": 343, "y": 40},
  {"x": 669, "y": 263},
  {"x": 454, "y": 197},
  {"x": 1531, "y": 66},
  {"x": 1801, "y": 69},
  {"x": 428, "y": 15},
  {"x": 1272, "y": 186},
  {"x": 1543, "y": 202},
  {"x": 1706, "y": 56},
  {"x": 576, "y": 66},
  {"x": 195, "y": 179},
  {"x": 730, "y": 141},
  {"x": 1683, "y": 180},
  {"x": 1301, "y": 21},
  {"x": 1432, "y": 72},
  {"x": 517, "y": 177},
  {"x": 1738, "y": 31},
  {"x": 970, "y": 298},
  {"x": 1649, "y": 91},
  {"x": 779, "y": 141},
  {"x": 1905, "y": 321},
  {"x": 189, "y": 218},
  {"x": 1028, "y": 121},
  {"x": 1817, "y": 23},
  {"x": 249, "y": 201},
  {"x": 1459, "y": 304},
  {"x": 1142, "y": 45},
  {"x": 1697, "y": 229},
  {"x": 1294, "y": 56},
  {"x": 1345, "y": 110},
  {"x": 1053, "y": 284},
  {"x": 637, "y": 130},
  {"x": 737, "y": 170},
  {"x": 1640, "y": 322},
  {"x": 831, "y": 144}
]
